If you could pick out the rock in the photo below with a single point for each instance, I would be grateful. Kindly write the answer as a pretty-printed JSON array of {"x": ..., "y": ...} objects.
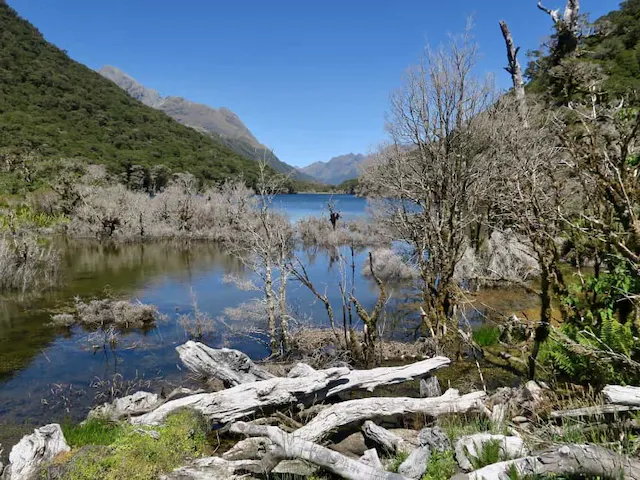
[
  {"x": 519, "y": 419},
  {"x": 28, "y": 456},
  {"x": 352, "y": 446},
  {"x": 409, "y": 436},
  {"x": 430, "y": 387},
  {"x": 469, "y": 447},
  {"x": 252, "y": 448},
  {"x": 301, "y": 370},
  {"x": 435, "y": 439},
  {"x": 416, "y": 463},
  {"x": 499, "y": 413},
  {"x": 533, "y": 393},
  {"x": 298, "y": 468},
  {"x": 129, "y": 406}
]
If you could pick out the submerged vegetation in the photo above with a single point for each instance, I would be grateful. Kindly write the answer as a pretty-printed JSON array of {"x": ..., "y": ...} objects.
[{"x": 535, "y": 189}]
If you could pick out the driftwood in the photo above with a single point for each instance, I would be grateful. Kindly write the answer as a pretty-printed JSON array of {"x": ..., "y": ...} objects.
[
  {"x": 231, "y": 366},
  {"x": 416, "y": 463},
  {"x": 383, "y": 439},
  {"x": 430, "y": 387},
  {"x": 585, "y": 460},
  {"x": 291, "y": 446},
  {"x": 249, "y": 398},
  {"x": 353, "y": 413},
  {"x": 27, "y": 457},
  {"x": 468, "y": 448},
  {"x": 593, "y": 411},
  {"x": 216, "y": 468},
  {"x": 370, "y": 457},
  {"x": 620, "y": 395}
]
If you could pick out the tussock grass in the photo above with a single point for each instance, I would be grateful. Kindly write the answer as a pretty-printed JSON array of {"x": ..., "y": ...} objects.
[
  {"x": 486, "y": 335},
  {"x": 108, "y": 312},
  {"x": 92, "y": 432}
]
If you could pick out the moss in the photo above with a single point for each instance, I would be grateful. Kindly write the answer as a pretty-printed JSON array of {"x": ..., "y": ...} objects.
[
  {"x": 92, "y": 432},
  {"x": 136, "y": 454}
]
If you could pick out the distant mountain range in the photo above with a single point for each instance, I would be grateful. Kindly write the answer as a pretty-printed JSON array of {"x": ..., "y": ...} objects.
[
  {"x": 338, "y": 169},
  {"x": 221, "y": 123}
]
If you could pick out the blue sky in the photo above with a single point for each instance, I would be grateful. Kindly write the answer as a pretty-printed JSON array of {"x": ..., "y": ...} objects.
[{"x": 310, "y": 78}]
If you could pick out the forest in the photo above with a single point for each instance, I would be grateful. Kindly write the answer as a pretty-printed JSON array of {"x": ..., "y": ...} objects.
[{"x": 475, "y": 192}]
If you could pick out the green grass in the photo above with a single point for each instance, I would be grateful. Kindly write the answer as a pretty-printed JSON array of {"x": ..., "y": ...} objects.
[
  {"x": 397, "y": 461},
  {"x": 135, "y": 455},
  {"x": 92, "y": 432},
  {"x": 442, "y": 465},
  {"x": 486, "y": 335},
  {"x": 490, "y": 453},
  {"x": 455, "y": 426}
]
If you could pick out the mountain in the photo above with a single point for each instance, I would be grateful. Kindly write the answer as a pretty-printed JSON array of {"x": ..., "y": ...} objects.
[
  {"x": 221, "y": 123},
  {"x": 338, "y": 169},
  {"x": 53, "y": 107}
]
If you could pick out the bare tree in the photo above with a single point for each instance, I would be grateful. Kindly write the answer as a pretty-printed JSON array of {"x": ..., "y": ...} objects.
[
  {"x": 566, "y": 26},
  {"x": 514, "y": 68},
  {"x": 431, "y": 181}
]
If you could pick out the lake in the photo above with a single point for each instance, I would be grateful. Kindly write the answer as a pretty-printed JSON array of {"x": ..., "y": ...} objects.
[{"x": 48, "y": 374}]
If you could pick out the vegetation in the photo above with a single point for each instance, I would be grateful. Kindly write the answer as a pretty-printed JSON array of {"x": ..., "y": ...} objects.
[
  {"x": 94, "y": 431},
  {"x": 136, "y": 453},
  {"x": 442, "y": 464},
  {"x": 58, "y": 108}
]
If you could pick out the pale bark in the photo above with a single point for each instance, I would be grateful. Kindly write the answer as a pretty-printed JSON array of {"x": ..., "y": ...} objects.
[
  {"x": 291, "y": 446},
  {"x": 231, "y": 366},
  {"x": 383, "y": 439},
  {"x": 620, "y": 395},
  {"x": 247, "y": 399},
  {"x": 586, "y": 460},
  {"x": 514, "y": 68},
  {"x": 351, "y": 414},
  {"x": 27, "y": 457},
  {"x": 370, "y": 457},
  {"x": 594, "y": 411}
]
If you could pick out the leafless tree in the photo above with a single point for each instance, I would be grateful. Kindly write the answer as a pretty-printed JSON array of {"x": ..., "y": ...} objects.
[{"x": 433, "y": 178}]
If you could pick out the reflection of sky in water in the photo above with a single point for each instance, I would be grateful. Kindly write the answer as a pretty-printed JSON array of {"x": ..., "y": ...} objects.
[{"x": 163, "y": 275}]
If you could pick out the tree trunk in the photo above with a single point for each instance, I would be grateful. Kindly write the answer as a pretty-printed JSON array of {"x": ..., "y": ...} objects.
[
  {"x": 515, "y": 70},
  {"x": 271, "y": 310}
]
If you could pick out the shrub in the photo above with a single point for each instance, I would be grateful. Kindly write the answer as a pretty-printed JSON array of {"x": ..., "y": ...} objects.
[
  {"x": 486, "y": 335},
  {"x": 441, "y": 465},
  {"x": 27, "y": 264},
  {"x": 108, "y": 312}
]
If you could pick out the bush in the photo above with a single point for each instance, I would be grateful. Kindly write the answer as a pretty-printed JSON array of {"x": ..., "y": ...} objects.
[
  {"x": 27, "y": 264},
  {"x": 108, "y": 312}
]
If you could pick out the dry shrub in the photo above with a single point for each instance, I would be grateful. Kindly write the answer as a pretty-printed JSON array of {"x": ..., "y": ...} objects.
[
  {"x": 317, "y": 231},
  {"x": 504, "y": 257},
  {"x": 119, "y": 313},
  {"x": 26, "y": 264},
  {"x": 321, "y": 349},
  {"x": 390, "y": 267}
]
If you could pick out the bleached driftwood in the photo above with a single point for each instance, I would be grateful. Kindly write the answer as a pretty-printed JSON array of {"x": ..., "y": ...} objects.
[
  {"x": 370, "y": 457},
  {"x": 231, "y": 366},
  {"x": 383, "y": 439},
  {"x": 352, "y": 413},
  {"x": 129, "y": 406},
  {"x": 620, "y": 395},
  {"x": 249, "y": 398},
  {"x": 593, "y": 411},
  {"x": 468, "y": 448},
  {"x": 27, "y": 457},
  {"x": 216, "y": 468},
  {"x": 291, "y": 446},
  {"x": 586, "y": 460},
  {"x": 430, "y": 387},
  {"x": 416, "y": 463}
]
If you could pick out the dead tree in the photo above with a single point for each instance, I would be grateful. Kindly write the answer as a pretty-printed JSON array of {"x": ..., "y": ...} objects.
[
  {"x": 514, "y": 68},
  {"x": 566, "y": 26}
]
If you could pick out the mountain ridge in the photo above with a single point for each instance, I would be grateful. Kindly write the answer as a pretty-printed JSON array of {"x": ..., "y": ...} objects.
[
  {"x": 221, "y": 123},
  {"x": 337, "y": 169}
]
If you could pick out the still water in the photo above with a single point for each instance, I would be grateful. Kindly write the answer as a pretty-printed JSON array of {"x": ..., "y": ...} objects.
[{"x": 48, "y": 374}]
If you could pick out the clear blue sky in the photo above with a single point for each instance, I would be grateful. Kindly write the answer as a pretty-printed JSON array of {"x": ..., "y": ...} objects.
[{"x": 310, "y": 78}]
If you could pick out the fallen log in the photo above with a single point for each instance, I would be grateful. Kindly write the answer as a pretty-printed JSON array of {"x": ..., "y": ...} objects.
[
  {"x": 620, "y": 395},
  {"x": 353, "y": 413},
  {"x": 290, "y": 446},
  {"x": 231, "y": 366},
  {"x": 27, "y": 457},
  {"x": 216, "y": 468},
  {"x": 383, "y": 439},
  {"x": 593, "y": 411},
  {"x": 370, "y": 457},
  {"x": 584, "y": 460},
  {"x": 249, "y": 398}
]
